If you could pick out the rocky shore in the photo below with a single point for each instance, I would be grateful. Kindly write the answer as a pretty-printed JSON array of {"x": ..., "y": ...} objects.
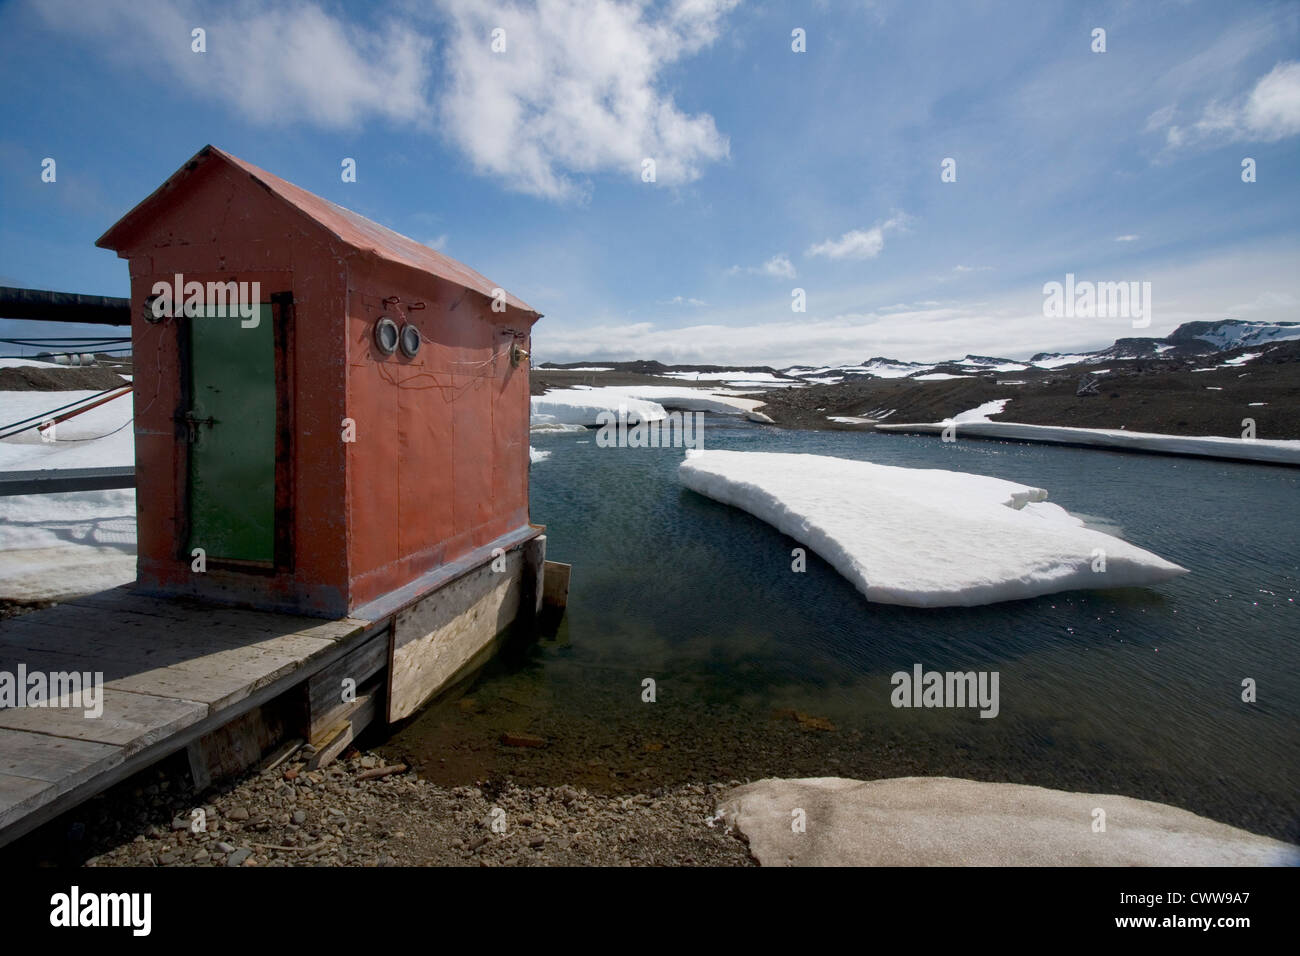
[{"x": 361, "y": 811}]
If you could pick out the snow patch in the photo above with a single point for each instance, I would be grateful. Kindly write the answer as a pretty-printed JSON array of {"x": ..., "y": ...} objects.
[{"x": 1273, "y": 451}]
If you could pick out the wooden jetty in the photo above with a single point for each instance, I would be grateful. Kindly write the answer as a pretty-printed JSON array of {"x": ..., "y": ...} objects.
[{"x": 230, "y": 685}]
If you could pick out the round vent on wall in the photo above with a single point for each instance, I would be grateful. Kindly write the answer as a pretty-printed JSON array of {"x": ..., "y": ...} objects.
[
  {"x": 410, "y": 340},
  {"x": 386, "y": 335}
]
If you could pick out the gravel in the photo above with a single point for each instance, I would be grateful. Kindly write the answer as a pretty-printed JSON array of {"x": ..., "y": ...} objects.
[{"x": 333, "y": 817}]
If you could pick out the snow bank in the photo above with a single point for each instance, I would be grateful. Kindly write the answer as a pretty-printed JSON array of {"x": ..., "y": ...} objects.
[
  {"x": 82, "y": 442},
  {"x": 922, "y": 537},
  {"x": 981, "y": 413},
  {"x": 540, "y": 427},
  {"x": 943, "y": 821},
  {"x": 60, "y": 545},
  {"x": 583, "y": 406},
  {"x": 1274, "y": 451},
  {"x": 57, "y": 546},
  {"x": 561, "y": 409},
  {"x": 678, "y": 397}
]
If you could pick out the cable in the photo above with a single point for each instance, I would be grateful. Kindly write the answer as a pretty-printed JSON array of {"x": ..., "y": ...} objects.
[
  {"x": 98, "y": 437},
  {"x": 45, "y": 416},
  {"x": 98, "y": 351}
]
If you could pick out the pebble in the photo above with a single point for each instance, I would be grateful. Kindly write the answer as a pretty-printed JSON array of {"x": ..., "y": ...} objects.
[{"x": 430, "y": 825}]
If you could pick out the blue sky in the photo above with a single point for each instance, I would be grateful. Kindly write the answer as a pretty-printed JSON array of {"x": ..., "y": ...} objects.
[{"x": 775, "y": 170}]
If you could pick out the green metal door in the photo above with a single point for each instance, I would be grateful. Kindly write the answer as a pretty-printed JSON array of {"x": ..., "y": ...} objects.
[{"x": 232, "y": 432}]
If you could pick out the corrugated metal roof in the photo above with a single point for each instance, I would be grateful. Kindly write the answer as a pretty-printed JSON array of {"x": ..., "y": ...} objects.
[{"x": 349, "y": 227}]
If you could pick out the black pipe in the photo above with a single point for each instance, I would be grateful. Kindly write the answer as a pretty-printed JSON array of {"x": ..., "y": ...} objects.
[{"x": 63, "y": 307}]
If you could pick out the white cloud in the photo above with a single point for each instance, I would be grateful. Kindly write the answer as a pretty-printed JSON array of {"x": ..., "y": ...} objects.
[
  {"x": 1130, "y": 237},
  {"x": 960, "y": 268},
  {"x": 439, "y": 243},
  {"x": 683, "y": 300},
  {"x": 1268, "y": 113},
  {"x": 274, "y": 66},
  {"x": 778, "y": 267},
  {"x": 858, "y": 243},
  {"x": 1257, "y": 281},
  {"x": 577, "y": 91}
]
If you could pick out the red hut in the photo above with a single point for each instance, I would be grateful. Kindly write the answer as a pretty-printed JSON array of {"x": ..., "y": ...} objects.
[{"x": 349, "y": 438}]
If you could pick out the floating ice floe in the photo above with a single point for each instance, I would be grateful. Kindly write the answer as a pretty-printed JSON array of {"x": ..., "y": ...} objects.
[
  {"x": 923, "y": 537},
  {"x": 581, "y": 406},
  {"x": 534, "y": 456},
  {"x": 540, "y": 425},
  {"x": 678, "y": 398}
]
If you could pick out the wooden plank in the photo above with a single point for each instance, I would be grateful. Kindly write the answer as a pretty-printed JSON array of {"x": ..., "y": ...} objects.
[
  {"x": 555, "y": 584},
  {"x": 200, "y": 778},
  {"x": 61, "y": 763},
  {"x": 185, "y": 625},
  {"x": 326, "y": 706},
  {"x": 53, "y": 759},
  {"x": 51, "y": 800},
  {"x": 239, "y": 744},
  {"x": 156, "y": 646},
  {"x": 16, "y": 793},
  {"x": 334, "y": 741},
  {"x": 131, "y": 721},
  {"x": 434, "y": 639},
  {"x": 204, "y": 614},
  {"x": 218, "y": 680}
]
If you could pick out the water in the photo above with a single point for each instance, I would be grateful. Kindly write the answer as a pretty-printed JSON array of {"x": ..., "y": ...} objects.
[{"x": 1132, "y": 691}]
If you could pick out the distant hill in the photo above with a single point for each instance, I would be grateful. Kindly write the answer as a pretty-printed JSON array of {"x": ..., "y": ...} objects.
[{"x": 1227, "y": 340}]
